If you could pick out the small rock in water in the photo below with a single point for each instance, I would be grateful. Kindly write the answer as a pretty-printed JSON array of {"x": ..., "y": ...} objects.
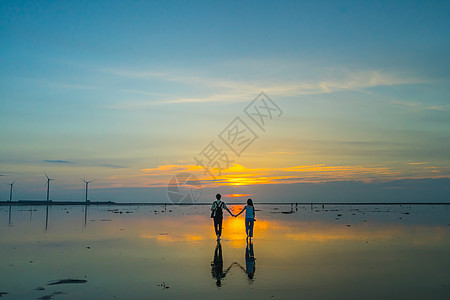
[
  {"x": 348, "y": 225},
  {"x": 66, "y": 281}
]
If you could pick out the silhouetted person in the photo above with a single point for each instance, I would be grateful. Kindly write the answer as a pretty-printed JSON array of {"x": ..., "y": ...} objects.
[
  {"x": 217, "y": 214},
  {"x": 249, "y": 217},
  {"x": 217, "y": 265}
]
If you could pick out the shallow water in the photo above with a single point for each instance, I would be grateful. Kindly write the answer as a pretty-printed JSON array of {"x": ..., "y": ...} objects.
[{"x": 157, "y": 252}]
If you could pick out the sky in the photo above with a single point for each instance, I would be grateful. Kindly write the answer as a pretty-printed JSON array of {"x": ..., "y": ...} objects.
[{"x": 355, "y": 99}]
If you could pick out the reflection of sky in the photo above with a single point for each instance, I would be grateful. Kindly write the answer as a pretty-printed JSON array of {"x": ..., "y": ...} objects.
[
  {"x": 130, "y": 253},
  {"x": 128, "y": 94}
]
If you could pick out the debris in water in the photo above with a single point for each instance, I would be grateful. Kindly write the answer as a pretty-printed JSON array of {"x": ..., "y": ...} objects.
[
  {"x": 163, "y": 285},
  {"x": 66, "y": 281}
]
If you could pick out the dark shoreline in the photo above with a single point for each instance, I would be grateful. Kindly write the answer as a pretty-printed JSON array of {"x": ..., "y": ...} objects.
[{"x": 111, "y": 203}]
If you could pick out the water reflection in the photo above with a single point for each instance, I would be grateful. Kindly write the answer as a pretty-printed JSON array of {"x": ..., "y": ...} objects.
[
  {"x": 9, "y": 216},
  {"x": 331, "y": 247},
  {"x": 46, "y": 218},
  {"x": 250, "y": 267},
  {"x": 217, "y": 265},
  {"x": 85, "y": 214}
]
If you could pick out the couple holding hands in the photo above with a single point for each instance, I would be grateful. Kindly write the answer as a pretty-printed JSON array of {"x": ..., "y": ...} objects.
[{"x": 217, "y": 214}]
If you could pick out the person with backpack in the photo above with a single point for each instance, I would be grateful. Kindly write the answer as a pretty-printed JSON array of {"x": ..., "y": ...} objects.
[
  {"x": 249, "y": 217},
  {"x": 217, "y": 214}
]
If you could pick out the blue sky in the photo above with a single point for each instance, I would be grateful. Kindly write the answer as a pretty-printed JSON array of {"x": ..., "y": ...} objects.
[{"x": 111, "y": 89}]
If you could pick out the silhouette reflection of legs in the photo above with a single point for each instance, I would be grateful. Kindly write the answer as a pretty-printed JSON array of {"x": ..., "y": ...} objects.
[
  {"x": 217, "y": 265},
  {"x": 249, "y": 261}
]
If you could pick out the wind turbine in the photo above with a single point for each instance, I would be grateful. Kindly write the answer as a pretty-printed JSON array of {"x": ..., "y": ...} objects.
[
  {"x": 48, "y": 185},
  {"x": 87, "y": 185},
  {"x": 11, "y": 190}
]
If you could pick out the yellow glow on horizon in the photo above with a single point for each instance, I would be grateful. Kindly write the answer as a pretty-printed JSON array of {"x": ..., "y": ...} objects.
[
  {"x": 238, "y": 175},
  {"x": 236, "y": 195}
]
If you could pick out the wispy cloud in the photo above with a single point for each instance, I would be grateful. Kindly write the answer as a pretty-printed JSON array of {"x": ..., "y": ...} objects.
[
  {"x": 330, "y": 81},
  {"x": 57, "y": 161},
  {"x": 112, "y": 166}
]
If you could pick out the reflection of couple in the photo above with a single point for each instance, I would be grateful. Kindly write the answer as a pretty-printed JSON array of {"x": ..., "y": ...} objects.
[
  {"x": 217, "y": 263},
  {"x": 249, "y": 260},
  {"x": 217, "y": 214}
]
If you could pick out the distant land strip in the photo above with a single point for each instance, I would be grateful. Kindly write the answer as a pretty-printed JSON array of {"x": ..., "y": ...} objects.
[{"x": 111, "y": 203}]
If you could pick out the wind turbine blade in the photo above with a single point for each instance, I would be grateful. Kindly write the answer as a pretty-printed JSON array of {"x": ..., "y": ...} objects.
[{"x": 45, "y": 174}]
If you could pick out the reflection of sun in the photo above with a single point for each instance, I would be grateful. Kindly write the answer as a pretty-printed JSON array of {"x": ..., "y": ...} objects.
[
  {"x": 235, "y": 225},
  {"x": 235, "y": 231},
  {"x": 234, "y": 228}
]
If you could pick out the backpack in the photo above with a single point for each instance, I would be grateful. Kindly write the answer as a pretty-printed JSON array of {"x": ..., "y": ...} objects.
[{"x": 217, "y": 213}]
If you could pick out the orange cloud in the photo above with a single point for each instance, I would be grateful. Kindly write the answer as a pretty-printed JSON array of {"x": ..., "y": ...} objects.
[
  {"x": 238, "y": 175},
  {"x": 237, "y": 195}
]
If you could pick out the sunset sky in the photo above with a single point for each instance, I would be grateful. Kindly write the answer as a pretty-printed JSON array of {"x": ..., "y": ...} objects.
[{"x": 128, "y": 93}]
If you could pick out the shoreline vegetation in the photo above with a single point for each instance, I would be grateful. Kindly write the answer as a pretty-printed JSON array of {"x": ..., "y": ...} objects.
[{"x": 111, "y": 203}]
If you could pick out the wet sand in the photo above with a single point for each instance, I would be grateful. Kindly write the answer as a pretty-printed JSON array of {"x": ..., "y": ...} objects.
[{"x": 158, "y": 252}]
